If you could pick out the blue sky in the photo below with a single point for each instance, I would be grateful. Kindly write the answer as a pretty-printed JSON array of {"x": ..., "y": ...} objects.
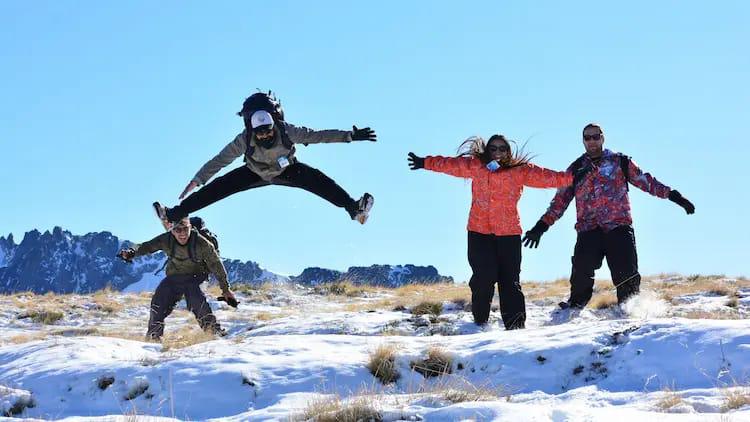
[{"x": 107, "y": 107}]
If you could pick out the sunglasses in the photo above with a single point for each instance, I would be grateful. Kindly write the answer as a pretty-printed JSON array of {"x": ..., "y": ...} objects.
[
  {"x": 501, "y": 148},
  {"x": 596, "y": 137},
  {"x": 181, "y": 229}
]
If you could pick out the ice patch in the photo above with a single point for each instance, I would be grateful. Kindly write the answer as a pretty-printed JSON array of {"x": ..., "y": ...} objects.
[{"x": 646, "y": 305}]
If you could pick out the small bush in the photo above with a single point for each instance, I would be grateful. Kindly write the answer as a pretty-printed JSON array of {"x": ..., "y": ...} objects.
[
  {"x": 340, "y": 288},
  {"x": 45, "y": 316},
  {"x": 668, "y": 400},
  {"x": 333, "y": 409},
  {"x": 733, "y": 302},
  {"x": 23, "y": 403},
  {"x": 735, "y": 399},
  {"x": 104, "y": 382},
  {"x": 383, "y": 364},
  {"x": 438, "y": 362},
  {"x": 139, "y": 387},
  {"x": 185, "y": 337},
  {"x": 428, "y": 308},
  {"x": 605, "y": 301}
]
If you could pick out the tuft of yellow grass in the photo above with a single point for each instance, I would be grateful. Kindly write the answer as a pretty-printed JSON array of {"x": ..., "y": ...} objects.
[
  {"x": 185, "y": 337},
  {"x": 26, "y": 338},
  {"x": 735, "y": 398},
  {"x": 438, "y": 362},
  {"x": 334, "y": 409},
  {"x": 106, "y": 300},
  {"x": 668, "y": 399},
  {"x": 267, "y": 316},
  {"x": 603, "y": 301},
  {"x": 428, "y": 307},
  {"x": 382, "y": 363}
]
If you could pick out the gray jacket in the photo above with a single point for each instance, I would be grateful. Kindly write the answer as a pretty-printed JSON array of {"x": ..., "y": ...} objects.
[{"x": 264, "y": 161}]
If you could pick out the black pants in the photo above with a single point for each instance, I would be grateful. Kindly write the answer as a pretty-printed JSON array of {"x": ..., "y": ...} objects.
[
  {"x": 169, "y": 292},
  {"x": 496, "y": 259},
  {"x": 592, "y": 246},
  {"x": 297, "y": 175}
]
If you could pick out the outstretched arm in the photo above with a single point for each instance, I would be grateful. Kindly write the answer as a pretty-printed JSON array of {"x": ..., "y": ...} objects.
[
  {"x": 159, "y": 243},
  {"x": 454, "y": 166},
  {"x": 540, "y": 177},
  {"x": 304, "y": 135},
  {"x": 229, "y": 153},
  {"x": 648, "y": 183}
]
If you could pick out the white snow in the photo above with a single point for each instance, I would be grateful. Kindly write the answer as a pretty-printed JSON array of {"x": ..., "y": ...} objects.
[{"x": 594, "y": 365}]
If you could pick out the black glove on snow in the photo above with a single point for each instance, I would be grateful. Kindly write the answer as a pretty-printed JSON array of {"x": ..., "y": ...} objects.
[
  {"x": 678, "y": 199},
  {"x": 230, "y": 301},
  {"x": 531, "y": 239},
  {"x": 126, "y": 255},
  {"x": 364, "y": 134},
  {"x": 415, "y": 162}
]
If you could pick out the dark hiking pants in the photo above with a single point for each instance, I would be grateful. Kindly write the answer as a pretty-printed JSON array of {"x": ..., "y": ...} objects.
[
  {"x": 496, "y": 259},
  {"x": 592, "y": 246},
  {"x": 169, "y": 292},
  {"x": 298, "y": 175}
]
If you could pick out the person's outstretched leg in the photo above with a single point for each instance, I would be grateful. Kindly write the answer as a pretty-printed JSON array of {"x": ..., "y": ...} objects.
[
  {"x": 622, "y": 260},
  {"x": 237, "y": 180},
  {"x": 512, "y": 300},
  {"x": 300, "y": 175},
  {"x": 196, "y": 302},
  {"x": 483, "y": 261},
  {"x": 587, "y": 257},
  {"x": 163, "y": 301}
]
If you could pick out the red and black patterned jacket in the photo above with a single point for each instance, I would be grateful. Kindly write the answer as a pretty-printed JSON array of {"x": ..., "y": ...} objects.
[{"x": 602, "y": 195}]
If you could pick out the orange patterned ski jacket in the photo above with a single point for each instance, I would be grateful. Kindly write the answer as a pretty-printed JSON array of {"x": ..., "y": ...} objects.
[{"x": 495, "y": 195}]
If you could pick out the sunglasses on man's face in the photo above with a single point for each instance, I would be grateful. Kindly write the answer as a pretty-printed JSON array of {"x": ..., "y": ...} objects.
[
  {"x": 595, "y": 137},
  {"x": 500, "y": 148},
  {"x": 181, "y": 229}
]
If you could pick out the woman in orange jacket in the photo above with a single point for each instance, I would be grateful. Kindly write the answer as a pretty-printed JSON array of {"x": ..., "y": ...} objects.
[{"x": 497, "y": 180}]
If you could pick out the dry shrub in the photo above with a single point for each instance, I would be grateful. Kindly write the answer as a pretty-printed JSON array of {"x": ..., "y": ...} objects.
[
  {"x": 125, "y": 335},
  {"x": 718, "y": 314},
  {"x": 669, "y": 399},
  {"x": 604, "y": 301},
  {"x": 343, "y": 288},
  {"x": 43, "y": 316},
  {"x": 428, "y": 307},
  {"x": 438, "y": 362},
  {"x": 334, "y": 409},
  {"x": 382, "y": 364},
  {"x": 735, "y": 398},
  {"x": 733, "y": 302},
  {"x": 26, "y": 338},
  {"x": 714, "y": 284},
  {"x": 185, "y": 337},
  {"x": 543, "y": 290},
  {"x": 74, "y": 332},
  {"x": 267, "y": 316},
  {"x": 105, "y": 302}
]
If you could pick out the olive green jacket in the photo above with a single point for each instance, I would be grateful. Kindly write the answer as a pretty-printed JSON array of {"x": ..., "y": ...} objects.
[{"x": 205, "y": 259}]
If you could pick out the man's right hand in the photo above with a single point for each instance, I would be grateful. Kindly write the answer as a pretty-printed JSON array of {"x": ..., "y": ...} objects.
[
  {"x": 126, "y": 255},
  {"x": 415, "y": 162},
  {"x": 532, "y": 237},
  {"x": 229, "y": 298},
  {"x": 190, "y": 186}
]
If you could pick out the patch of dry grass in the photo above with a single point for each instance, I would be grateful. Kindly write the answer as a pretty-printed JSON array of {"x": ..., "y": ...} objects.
[
  {"x": 334, "y": 409},
  {"x": 268, "y": 316},
  {"x": 26, "y": 338},
  {"x": 428, "y": 307},
  {"x": 42, "y": 316},
  {"x": 719, "y": 285},
  {"x": 717, "y": 314},
  {"x": 382, "y": 363},
  {"x": 344, "y": 288},
  {"x": 735, "y": 398},
  {"x": 438, "y": 362},
  {"x": 105, "y": 301},
  {"x": 185, "y": 337},
  {"x": 125, "y": 335},
  {"x": 604, "y": 301},
  {"x": 733, "y": 302},
  {"x": 668, "y": 399}
]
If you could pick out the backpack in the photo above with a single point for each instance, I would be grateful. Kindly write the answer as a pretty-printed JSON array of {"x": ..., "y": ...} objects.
[
  {"x": 200, "y": 227},
  {"x": 266, "y": 101},
  {"x": 624, "y": 167}
]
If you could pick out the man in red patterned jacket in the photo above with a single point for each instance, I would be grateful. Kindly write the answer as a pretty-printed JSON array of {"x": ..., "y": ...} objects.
[{"x": 604, "y": 224}]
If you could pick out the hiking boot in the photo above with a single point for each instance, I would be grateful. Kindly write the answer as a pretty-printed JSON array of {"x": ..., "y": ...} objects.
[
  {"x": 161, "y": 214},
  {"x": 363, "y": 207},
  {"x": 568, "y": 305}
]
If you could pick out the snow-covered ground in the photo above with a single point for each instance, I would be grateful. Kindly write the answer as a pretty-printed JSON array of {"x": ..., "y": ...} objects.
[{"x": 291, "y": 352}]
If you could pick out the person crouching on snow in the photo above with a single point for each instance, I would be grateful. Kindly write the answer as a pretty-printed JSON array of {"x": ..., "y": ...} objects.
[
  {"x": 190, "y": 258},
  {"x": 494, "y": 245}
]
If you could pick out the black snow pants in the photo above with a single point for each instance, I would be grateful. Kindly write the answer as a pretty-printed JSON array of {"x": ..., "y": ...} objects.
[
  {"x": 496, "y": 259},
  {"x": 618, "y": 246},
  {"x": 298, "y": 175},
  {"x": 169, "y": 292}
]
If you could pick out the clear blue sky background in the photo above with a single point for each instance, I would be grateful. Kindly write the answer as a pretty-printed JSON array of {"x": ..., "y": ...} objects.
[{"x": 108, "y": 106}]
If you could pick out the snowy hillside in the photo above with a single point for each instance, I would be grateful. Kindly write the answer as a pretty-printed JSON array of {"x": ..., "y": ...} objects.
[{"x": 679, "y": 352}]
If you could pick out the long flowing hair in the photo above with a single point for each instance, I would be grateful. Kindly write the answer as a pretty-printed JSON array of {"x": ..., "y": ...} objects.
[{"x": 476, "y": 146}]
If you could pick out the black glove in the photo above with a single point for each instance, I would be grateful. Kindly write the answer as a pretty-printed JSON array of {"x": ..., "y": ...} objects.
[
  {"x": 531, "y": 239},
  {"x": 415, "y": 162},
  {"x": 579, "y": 174},
  {"x": 229, "y": 300},
  {"x": 678, "y": 199},
  {"x": 365, "y": 134},
  {"x": 126, "y": 255}
]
